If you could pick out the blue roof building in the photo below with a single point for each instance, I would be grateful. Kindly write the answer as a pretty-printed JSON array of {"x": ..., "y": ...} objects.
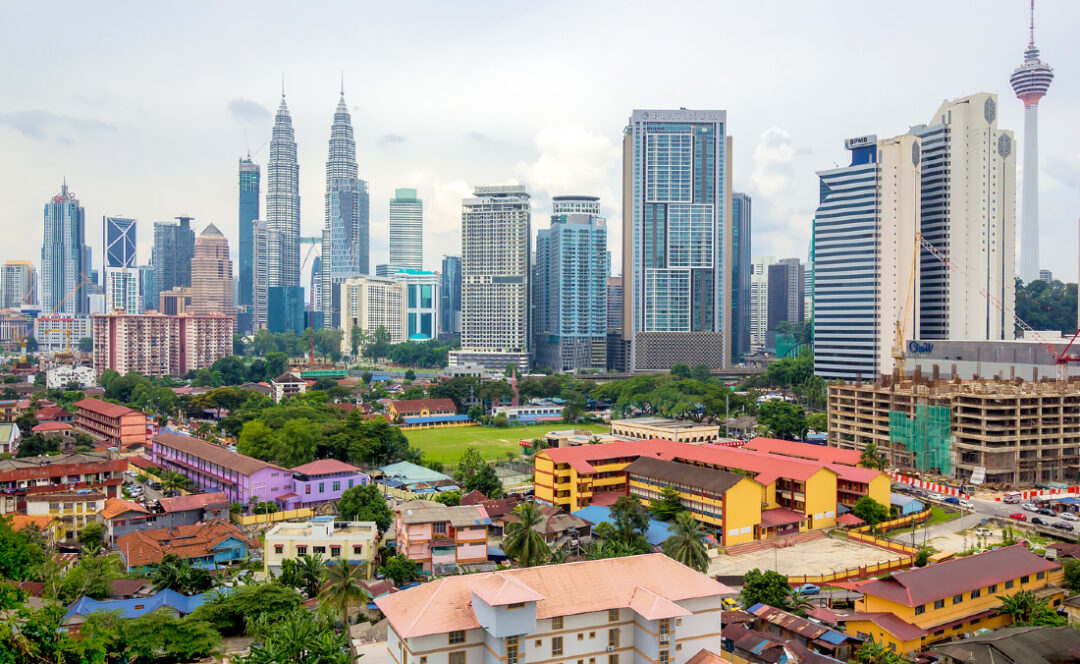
[
  {"x": 136, "y": 607},
  {"x": 657, "y": 532}
]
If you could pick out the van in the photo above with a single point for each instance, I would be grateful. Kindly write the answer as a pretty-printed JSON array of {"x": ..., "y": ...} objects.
[{"x": 1012, "y": 497}]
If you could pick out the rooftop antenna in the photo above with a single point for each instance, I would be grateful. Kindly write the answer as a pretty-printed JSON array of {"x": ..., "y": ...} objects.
[
  {"x": 1032, "y": 41},
  {"x": 343, "y": 80},
  {"x": 282, "y": 86}
]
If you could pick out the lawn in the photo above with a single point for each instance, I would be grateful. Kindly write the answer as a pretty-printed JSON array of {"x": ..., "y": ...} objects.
[{"x": 446, "y": 445}]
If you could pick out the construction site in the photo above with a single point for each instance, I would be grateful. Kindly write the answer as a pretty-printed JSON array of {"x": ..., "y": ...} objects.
[{"x": 1004, "y": 434}]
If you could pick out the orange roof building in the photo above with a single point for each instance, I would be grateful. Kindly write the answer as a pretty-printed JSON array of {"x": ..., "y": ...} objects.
[
  {"x": 118, "y": 425},
  {"x": 211, "y": 544},
  {"x": 632, "y": 610}
]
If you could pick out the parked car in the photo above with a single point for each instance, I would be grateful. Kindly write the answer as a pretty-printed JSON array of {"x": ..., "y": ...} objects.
[
  {"x": 1019, "y": 516},
  {"x": 935, "y": 496},
  {"x": 1046, "y": 511},
  {"x": 1039, "y": 521},
  {"x": 730, "y": 604},
  {"x": 983, "y": 532},
  {"x": 1029, "y": 507},
  {"x": 808, "y": 589},
  {"x": 952, "y": 500},
  {"x": 1069, "y": 516},
  {"x": 1061, "y": 525},
  {"x": 967, "y": 504},
  {"x": 156, "y": 486}
]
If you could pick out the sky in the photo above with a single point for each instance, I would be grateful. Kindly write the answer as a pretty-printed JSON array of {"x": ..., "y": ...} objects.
[{"x": 145, "y": 108}]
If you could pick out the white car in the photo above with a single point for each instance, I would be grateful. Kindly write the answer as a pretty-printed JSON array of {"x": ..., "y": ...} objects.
[
  {"x": 1069, "y": 516},
  {"x": 967, "y": 504},
  {"x": 1030, "y": 507}
]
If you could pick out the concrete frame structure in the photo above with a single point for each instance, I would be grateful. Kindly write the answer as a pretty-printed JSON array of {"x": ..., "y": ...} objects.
[
  {"x": 649, "y": 428},
  {"x": 118, "y": 425},
  {"x": 18, "y": 284}
]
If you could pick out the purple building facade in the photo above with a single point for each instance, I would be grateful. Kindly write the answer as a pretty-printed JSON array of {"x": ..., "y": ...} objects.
[
  {"x": 322, "y": 481},
  {"x": 207, "y": 466}
]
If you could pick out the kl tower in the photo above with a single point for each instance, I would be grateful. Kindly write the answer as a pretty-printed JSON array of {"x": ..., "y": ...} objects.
[{"x": 1030, "y": 81}]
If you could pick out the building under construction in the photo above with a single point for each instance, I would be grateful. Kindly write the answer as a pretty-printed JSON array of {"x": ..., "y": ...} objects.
[{"x": 1020, "y": 433}]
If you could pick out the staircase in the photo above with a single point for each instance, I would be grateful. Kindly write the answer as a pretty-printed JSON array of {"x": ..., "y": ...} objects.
[{"x": 775, "y": 543}]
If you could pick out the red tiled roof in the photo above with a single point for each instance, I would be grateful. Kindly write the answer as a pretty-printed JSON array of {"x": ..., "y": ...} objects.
[
  {"x": 960, "y": 575},
  {"x": 767, "y": 467},
  {"x": 196, "y": 541},
  {"x": 141, "y": 462},
  {"x": 201, "y": 449},
  {"x": 902, "y": 630},
  {"x": 124, "y": 587},
  {"x": 195, "y": 501},
  {"x": 20, "y": 521},
  {"x": 780, "y": 516},
  {"x": 47, "y": 414},
  {"x": 705, "y": 656},
  {"x": 32, "y": 588},
  {"x": 853, "y": 474},
  {"x": 790, "y": 448},
  {"x": 114, "y": 507},
  {"x": 51, "y": 425},
  {"x": 407, "y": 406},
  {"x": 104, "y": 408},
  {"x": 849, "y": 519},
  {"x": 325, "y": 467}
]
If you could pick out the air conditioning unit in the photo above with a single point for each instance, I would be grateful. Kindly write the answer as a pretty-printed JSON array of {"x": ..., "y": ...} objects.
[
  {"x": 610, "y": 648},
  {"x": 678, "y": 621}
]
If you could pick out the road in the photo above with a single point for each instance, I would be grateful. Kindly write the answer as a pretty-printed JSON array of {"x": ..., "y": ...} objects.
[{"x": 984, "y": 510}]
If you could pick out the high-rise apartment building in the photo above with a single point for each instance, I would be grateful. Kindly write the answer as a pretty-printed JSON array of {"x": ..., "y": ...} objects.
[
  {"x": 677, "y": 238},
  {"x": 283, "y": 203},
  {"x": 345, "y": 250},
  {"x": 570, "y": 287},
  {"x": 174, "y": 302},
  {"x": 740, "y": 274},
  {"x": 248, "y": 213},
  {"x": 450, "y": 295},
  {"x": 17, "y": 285},
  {"x": 786, "y": 283},
  {"x": 261, "y": 241},
  {"x": 154, "y": 344},
  {"x": 174, "y": 245},
  {"x": 759, "y": 301},
  {"x": 211, "y": 274},
  {"x": 495, "y": 271},
  {"x": 370, "y": 303},
  {"x": 865, "y": 254},
  {"x": 969, "y": 214},
  {"x": 65, "y": 257},
  {"x": 406, "y": 230},
  {"x": 1030, "y": 81},
  {"x": 614, "y": 286},
  {"x": 422, "y": 303},
  {"x": 122, "y": 290}
]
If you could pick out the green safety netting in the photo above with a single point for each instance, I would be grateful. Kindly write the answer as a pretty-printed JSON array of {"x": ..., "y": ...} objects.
[{"x": 926, "y": 436}]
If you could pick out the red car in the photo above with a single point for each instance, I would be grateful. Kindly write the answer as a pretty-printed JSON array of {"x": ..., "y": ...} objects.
[{"x": 1019, "y": 516}]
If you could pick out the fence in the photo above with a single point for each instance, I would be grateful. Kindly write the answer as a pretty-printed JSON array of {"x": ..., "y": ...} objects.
[
  {"x": 254, "y": 519},
  {"x": 854, "y": 572},
  {"x": 930, "y": 486}
]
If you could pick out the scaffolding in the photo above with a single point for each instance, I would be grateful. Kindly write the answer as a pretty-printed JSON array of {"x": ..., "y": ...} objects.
[{"x": 927, "y": 437}]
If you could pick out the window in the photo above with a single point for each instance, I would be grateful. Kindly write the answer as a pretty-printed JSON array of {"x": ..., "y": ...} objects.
[
  {"x": 613, "y": 638},
  {"x": 1040, "y": 575},
  {"x": 1008, "y": 584},
  {"x": 992, "y": 589},
  {"x": 665, "y": 630},
  {"x": 592, "y": 660},
  {"x": 556, "y": 646},
  {"x": 613, "y": 615},
  {"x": 613, "y": 658},
  {"x": 279, "y": 549},
  {"x": 318, "y": 549},
  {"x": 539, "y": 643},
  {"x": 975, "y": 593},
  {"x": 439, "y": 528},
  {"x": 457, "y": 657},
  {"x": 958, "y": 598},
  {"x": 1023, "y": 579},
  {"x": 301, "y": 549},
  {"x": 457, "y": 636},
  {"x": 307, "y": 489},
  {"x": 423, "y": 660},
  {"x": 556, "y": 622},
  {"x": 665, "y": 657},
  {"x": 580, "y": 636},
  {"x": 358, "y": 550},
  {"x": 939, "y": 604},
  {"x": 335, "y": 551},
  {"x": 516, "y": 605},
  {"x": 512, "y": 650},
  {"x": 337, "y": 486},
  {"x": 920, "y": 609},
  {"x": 322, "y": 487}
]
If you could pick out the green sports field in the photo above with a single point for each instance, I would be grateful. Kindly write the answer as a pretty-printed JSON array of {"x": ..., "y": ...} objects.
[{"x": 446, "y": 445}]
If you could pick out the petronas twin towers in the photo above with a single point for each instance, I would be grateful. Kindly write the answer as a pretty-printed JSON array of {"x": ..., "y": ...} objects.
[{"x": 345, "y": 229}]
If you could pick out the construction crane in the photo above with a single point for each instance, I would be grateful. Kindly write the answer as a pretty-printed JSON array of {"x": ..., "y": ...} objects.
[
  {"x": 1061, "y": 359},
  {"x": 901, "y": 323}
]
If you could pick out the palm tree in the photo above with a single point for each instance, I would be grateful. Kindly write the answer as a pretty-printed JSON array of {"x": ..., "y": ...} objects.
[
  {"x": 687, "y": 543},
  {"x": 522, "y": 541},
  {"x": 311, "y": 571},
  {"x": 1027, "y": 610},
  {"x": 557, "y": 556},
  {"x": 171, "y": 479},
  {"x": 343, "y": 589},
  {"x": 798, "y": 603},
  {"x": 871, "y": 459},
  {"x": 169, "y": 573}
]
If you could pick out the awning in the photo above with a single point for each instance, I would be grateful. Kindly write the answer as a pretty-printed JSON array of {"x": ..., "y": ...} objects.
[{"x": 780, "y": 517}]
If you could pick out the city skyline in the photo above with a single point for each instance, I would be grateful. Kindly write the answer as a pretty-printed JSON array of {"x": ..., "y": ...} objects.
[{"x": 552, "y": 151}]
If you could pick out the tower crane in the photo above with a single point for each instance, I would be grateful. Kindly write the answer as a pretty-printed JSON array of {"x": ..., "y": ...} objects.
[
  {"x": 1061, "y": 359},
  {"x": 901, "y": 323}
]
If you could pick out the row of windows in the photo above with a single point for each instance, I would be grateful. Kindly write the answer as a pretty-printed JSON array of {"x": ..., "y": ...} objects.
[{"x": 975, "y": 594}]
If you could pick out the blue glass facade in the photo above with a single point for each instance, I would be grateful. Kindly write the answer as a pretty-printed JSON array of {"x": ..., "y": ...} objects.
[
  {"x": 740, "y": 275},
  {"x": 450, "y": 295},
  {"x": 174, "y": 247},
  {"x": 248, "y": 213},
  {"x": 119, "y": 241},
  {"x": 285, "y": 309}
]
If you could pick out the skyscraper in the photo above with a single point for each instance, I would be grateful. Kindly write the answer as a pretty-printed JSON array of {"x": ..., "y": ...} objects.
[
  {"x": 249, "y": 212},
  {"x": 495, "y": 270},
  {"x": 1030, "y": 81},
  {"x": 865, "y": 254},
  {"x": 146, "y": 287},
  {"x": 17, "y": 284},
  {"x": 283, "y": 203},
  {"x": 570, "y": 289},
  {"x": 406, "y": 230},
  {"x": 969, "y": 214},
  {"x": 740, "y": 274},
  {"x": 759, "y": 301},
  {"x": 174, "y": 245},
  {"x": 422, "y": 306},
  {"x": 64, "y": 256},
  {"x": 345, "y": 236},
  {"x": 119, "y": 267},
  {"x": 677, "y": 238},
  {"x": 120, "y": 241},
  {"x": 786, "y": 283},
  {"x": 211, "y": 274},
  {"x": 261, "y": 241},
  {"x": 450, "y": 295}
]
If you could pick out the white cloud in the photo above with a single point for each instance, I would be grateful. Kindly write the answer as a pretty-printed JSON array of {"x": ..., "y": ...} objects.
[{"x": 783, "y": 196}]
